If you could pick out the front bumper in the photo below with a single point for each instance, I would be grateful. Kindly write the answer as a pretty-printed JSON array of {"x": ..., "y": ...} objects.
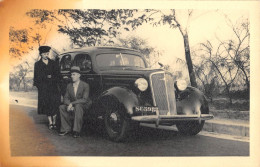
[{"x": 157, "y": 119}]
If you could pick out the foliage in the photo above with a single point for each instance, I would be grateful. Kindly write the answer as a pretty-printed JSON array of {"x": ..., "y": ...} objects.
[
  {"x": 237, "y": 49},
  {"x": 151, "y": 54},
  {"x": 90, "y": 27},
  {"x": 22, "y": 41},
  {"x": 19, "y": 76},
  {"x": 240, "y": 103},
  {"x": 158, "y": 17},
  {"x": 18, "y": 39},
  {"x": 227, "y": 62},
  {"x": 206, "y": 76}
]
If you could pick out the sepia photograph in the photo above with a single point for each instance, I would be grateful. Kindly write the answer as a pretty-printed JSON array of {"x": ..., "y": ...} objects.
[{"x": 87, "y": 84}]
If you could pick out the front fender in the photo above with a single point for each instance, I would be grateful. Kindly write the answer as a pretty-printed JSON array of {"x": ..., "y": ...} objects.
[
  {"x": 191, "y": 101},
  {"x": 119, "y": 97}
]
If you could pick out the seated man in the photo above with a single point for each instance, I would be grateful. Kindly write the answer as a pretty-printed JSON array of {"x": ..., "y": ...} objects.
[{"x": 76, "y": 101}]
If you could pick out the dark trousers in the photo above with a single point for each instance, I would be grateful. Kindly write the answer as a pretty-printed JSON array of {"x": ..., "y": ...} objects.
[{"x": 67, "y": 117}]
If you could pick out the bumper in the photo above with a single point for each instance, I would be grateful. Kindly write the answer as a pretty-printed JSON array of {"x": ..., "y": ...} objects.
[{"x": 171, "y": 118}]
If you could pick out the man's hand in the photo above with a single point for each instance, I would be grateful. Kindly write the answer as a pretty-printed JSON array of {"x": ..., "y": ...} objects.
[
  {"x": 70, "y": 107},
  {"x": 48, "y": 76}
]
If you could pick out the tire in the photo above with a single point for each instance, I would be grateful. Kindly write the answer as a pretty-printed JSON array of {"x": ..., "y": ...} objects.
[
  {"x": 190, "y": 127},
  {"x": 116, "y": 126},
  {"x": 89, "y": 126}
]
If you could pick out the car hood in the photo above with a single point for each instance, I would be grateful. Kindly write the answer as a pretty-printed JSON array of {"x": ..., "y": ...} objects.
[{"x": 130, "y": 71}]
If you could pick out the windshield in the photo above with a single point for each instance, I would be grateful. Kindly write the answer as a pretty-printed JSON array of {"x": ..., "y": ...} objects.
[{"x": 119, "y": 60}]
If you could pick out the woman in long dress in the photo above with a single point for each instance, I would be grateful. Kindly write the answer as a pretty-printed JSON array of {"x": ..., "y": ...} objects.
[{"x": 46, "y": 79}]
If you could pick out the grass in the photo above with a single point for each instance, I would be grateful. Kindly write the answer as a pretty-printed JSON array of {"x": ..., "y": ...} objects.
[
  {"x": 222, "y": 103},
  {"x": 22, "y": 94}
]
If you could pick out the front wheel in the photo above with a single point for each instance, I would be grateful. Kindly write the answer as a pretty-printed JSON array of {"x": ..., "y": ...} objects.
[
  {"x": 116, "y": 125},
  {"x": 190, "y": 127}
]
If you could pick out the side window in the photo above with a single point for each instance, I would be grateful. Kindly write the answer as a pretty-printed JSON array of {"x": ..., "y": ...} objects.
[
  {"x": 65, "y": 63},
  {"x": 83, "y": 61}
]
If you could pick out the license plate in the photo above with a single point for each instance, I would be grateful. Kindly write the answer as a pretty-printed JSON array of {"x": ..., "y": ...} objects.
[{"x": 146, "y": 109}]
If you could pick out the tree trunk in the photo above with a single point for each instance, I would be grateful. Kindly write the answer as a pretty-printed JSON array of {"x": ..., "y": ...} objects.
[
  {"x": 247, "y": 80},
  {"x": 19, "y": 84},
  {"x": 24, "y": 85},
  {"x": 229, "y": 95},
  {"x": 189, "y": 61},
  {"x": 225, "y": 82},
  {"x": 247, "y": 84}
]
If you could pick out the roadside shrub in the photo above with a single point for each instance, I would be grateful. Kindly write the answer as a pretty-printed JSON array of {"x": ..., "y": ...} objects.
[{"x": 240, "y": 94}]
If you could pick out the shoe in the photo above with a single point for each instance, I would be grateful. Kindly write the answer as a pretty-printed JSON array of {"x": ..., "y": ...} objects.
[
  {"x": 76, "y": 135},
  {"x": 55, "y": 126},
  {"x": 50, "y": 126},
  {"x": 64, "y": 133}
]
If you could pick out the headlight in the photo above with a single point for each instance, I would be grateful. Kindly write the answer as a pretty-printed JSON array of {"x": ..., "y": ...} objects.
[
  {"x": 181, "y": 85},
  {"x": 141, "y": 84}
]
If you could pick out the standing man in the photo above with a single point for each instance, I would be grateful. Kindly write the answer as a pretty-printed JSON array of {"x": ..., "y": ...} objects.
[
  {"x": 46, "y": 79},
  {"x": 76, "y": 101}
]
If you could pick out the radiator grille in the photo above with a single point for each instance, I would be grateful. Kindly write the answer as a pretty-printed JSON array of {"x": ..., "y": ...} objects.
[
  {"x": 171, "y": 93},
  {"x": 163, "y": 93}
]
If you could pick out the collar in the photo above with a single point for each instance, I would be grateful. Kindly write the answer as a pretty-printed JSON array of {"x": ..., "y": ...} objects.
[
  {"x": 76, "y": 84},
  {"x": 45, "y": 61}
]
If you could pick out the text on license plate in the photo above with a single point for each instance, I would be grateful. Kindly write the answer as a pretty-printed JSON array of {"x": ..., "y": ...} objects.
[{"x": 146, "y": 109}]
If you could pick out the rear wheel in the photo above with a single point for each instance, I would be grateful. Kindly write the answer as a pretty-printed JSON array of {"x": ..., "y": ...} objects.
[
  {"x": 116, "y": 125},
  {"x": 190, "y": 127}
]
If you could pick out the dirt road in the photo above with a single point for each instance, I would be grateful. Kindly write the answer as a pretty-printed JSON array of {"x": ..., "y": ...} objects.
[{"x": 29, "y": 136}]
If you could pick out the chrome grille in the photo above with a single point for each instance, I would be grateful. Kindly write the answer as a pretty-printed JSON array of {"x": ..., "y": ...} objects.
[
  {"x": 163, "y": 93},
  {"x": 171, "y": 93}
]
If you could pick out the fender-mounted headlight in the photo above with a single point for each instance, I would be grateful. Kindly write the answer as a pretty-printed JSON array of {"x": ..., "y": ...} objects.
[
  {"x": 181, "y": 84},
  {"x": 141, "y": 84}
]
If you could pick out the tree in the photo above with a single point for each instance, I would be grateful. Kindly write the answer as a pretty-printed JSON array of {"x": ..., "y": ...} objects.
[
  {"x": 90, "y": 27},
  {"x": 228, "y": 58},
  {"x": 19, "y": 74},
  {"x": 237, "y": 49},
  {"x": 174, "y": 21},
  {"x": 21, "y": 41},
  {"x": 184, "y": 32},
  {"x": 151, "y": 54},
  {"x": 224, "y": 68},
  {"x": 205, "y": 73},
  {"x": 18, "y": 39}
]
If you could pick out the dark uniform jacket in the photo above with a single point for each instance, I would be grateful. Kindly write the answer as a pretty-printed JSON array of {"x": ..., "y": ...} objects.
[{"x": 48, "y": 88}]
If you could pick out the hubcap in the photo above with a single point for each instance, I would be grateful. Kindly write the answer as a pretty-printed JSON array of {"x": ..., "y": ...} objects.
[
  {"x": 114, "y": 122},
  {"x": 113, "y": 117}
]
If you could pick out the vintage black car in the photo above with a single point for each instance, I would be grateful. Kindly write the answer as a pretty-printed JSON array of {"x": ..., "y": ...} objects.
[{"x": 126, "y": 92}]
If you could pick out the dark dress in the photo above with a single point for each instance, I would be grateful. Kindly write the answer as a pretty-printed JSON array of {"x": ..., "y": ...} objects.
[{"x": 48, "y": 88}]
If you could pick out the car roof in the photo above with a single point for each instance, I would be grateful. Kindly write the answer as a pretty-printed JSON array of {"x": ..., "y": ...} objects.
[{"x": 99, "y": 49}]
